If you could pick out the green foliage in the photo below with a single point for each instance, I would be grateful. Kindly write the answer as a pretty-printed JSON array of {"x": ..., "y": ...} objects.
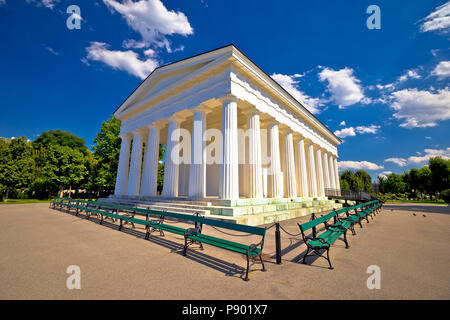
[
  {"x": 16, "y": 165},
  {"x": 103, "y": 166},
  {"x": 440, "y": 174},
  {"x": 61, "y": 138},
  {"x": 359, "y": 181},
  {"x": 445, "y": 195}
]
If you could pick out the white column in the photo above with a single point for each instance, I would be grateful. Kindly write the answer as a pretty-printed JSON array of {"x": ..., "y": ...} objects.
[
  {"x": 171, "y": 167},
  {"x": 276, "y": 176},
  {"x": 303, "y": 173},
  {"x": 331, "y": 172},
  {"x": 122, "y": 170},
  {"x": 229, "y": 172},
  {"x": 291, "y": 182},
  {"x": 312, "y": 171},
  {"x": 134, "y": 177},
  {"x": 326, "y": 172},
  {"x": 336, "y": 174},
  {"x": 254, "y": 157},
  {"x": 319, "y": 171},
  {"x": 150, "y": 171},
  {"x": 197, "y": 171}
]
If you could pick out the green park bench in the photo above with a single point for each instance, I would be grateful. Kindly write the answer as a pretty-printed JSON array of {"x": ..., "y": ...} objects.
[{"x": 333, "y": 232}]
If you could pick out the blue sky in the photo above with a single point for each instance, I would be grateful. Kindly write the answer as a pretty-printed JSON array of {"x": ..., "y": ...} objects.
[{"x": 385, "y": 91}]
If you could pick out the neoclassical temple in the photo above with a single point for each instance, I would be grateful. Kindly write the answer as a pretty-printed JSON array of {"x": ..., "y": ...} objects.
[{"x": 244, "y": 136}]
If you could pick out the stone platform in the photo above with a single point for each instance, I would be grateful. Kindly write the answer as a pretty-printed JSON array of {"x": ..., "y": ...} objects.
[{"x": 251, "y": 212}]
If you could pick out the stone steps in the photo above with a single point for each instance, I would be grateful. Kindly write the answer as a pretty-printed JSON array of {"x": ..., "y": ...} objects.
[
  {"x": 185, "y": 208},
  {"x": 271, "y": 217}
]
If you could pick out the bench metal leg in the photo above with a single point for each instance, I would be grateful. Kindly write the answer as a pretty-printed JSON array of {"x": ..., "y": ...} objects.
[
  {"x": 328, "y": 258},
  {"x": 352, "y": 228},
  {"x": 304, "y": 257},
  {"x": 345, "y": 240},
  {"x": 246, "y": 271},
  {"x": 262, "y": 262}
]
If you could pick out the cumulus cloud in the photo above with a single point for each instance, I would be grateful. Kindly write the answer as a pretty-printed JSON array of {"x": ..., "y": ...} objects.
[
  {"x": 346, "y": 132},
  {"x": 343, "y": 123},
  {"x": 438, "y": 20},
  {"x": 420, "y": 108},
  {"x": 351, "y": 131},
  {"x": 365, "y": 165},
  {"x": 152, "y": 20},
  {"x": 44, "y": 3},
  {"x": 430, "y": 153},
  {"x": 344, "y": 87},
  {"x": 399, "y": 161},
  {"x": 442, "y": 70},
  {"x": 290, "y": 83},
  {"x": 384, "y": 174},
  {"x": 122, "y": 60},
  {"x": 410, "y": 74}
]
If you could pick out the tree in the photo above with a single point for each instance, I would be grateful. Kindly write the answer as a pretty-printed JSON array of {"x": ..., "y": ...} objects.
[
  {"x": 16, "y": 165},
  {"x": 440, "y": 174},
  {"x": 424, "y": 176},
  {"x": 395, "y": 184},
  {"x": 365, "y": 180},
  {"x": 106, "y": 154},
  {"x": 61, "y": 138}
]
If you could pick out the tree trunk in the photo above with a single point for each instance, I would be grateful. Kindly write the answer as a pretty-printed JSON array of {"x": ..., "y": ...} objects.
[{"x": 6, "y": 195}]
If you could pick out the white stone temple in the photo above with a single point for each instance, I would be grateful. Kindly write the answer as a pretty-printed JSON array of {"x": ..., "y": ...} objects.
[{"x": 238, "y": 146}]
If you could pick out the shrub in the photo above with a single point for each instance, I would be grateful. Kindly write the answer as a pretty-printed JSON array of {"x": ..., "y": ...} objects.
[{"x": 445, "y": 195}]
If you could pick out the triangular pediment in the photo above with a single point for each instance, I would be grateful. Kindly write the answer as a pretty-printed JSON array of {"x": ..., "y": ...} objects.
[{"x": 169, "y": 76}]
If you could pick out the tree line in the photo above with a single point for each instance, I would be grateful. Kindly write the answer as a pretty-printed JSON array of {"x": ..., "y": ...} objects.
[
  {"x": 59, "y": 160},
  {"x": 432, "y": 181}
]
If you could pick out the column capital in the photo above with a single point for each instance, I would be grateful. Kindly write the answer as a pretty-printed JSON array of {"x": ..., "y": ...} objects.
[
  {"x": 126, "y": 135},
  {"x": 228, "y": 98},
  {"x": 158, "y": 124},
  {"x": 142, "y": 131}
]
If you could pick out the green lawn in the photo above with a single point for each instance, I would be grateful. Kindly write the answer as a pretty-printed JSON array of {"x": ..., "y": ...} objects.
[
  {"x": 441, "y": 202},
  {"x": 21, "y": 201}
]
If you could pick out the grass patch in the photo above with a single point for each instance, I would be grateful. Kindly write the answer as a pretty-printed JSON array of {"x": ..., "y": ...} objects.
[
  {"x": 441, "y": 202},
  {"x": 22, "y": 201}
]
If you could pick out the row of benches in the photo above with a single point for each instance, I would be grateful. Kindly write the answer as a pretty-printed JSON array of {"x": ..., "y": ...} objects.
[
  {"x": 343, "y": 220},
  {"x": 157, "y": 221}
]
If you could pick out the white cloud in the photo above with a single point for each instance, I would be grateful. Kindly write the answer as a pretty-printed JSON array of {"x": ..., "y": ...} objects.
[
  {"x": 290, "y": 83},
  {"x": 343, "y": 123},
  {"x": 346, "y": 132},
  {"x": 418, "y": 108},
  {"x": 442, "y": 70},
  {"x": 52, "y": 51},
  {"x": 399, "y": 161},
  {"x": 350, "y": 131},
  {"x": 370, "y": 129},
  {"x": 384, "y": 174},
  {"x": 438, "y": 20},
  {"x": 44, "y": 3},
  {"x": 410, "y": 74},
  {"x": 152, "y": 20},
  {"x": 366, "y": 165},
  {"x": 430, "y": 153},
  {"x": 2, "y": 2},
  {"x": 122, "y": 60},
  {"x": 344, "y": 86}
]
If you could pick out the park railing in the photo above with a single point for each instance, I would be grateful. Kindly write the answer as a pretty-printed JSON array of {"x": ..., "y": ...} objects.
[{"x": 348, "y": 194}]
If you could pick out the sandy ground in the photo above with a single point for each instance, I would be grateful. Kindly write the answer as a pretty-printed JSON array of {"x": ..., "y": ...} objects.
[{"x": 37, "y": 245}]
